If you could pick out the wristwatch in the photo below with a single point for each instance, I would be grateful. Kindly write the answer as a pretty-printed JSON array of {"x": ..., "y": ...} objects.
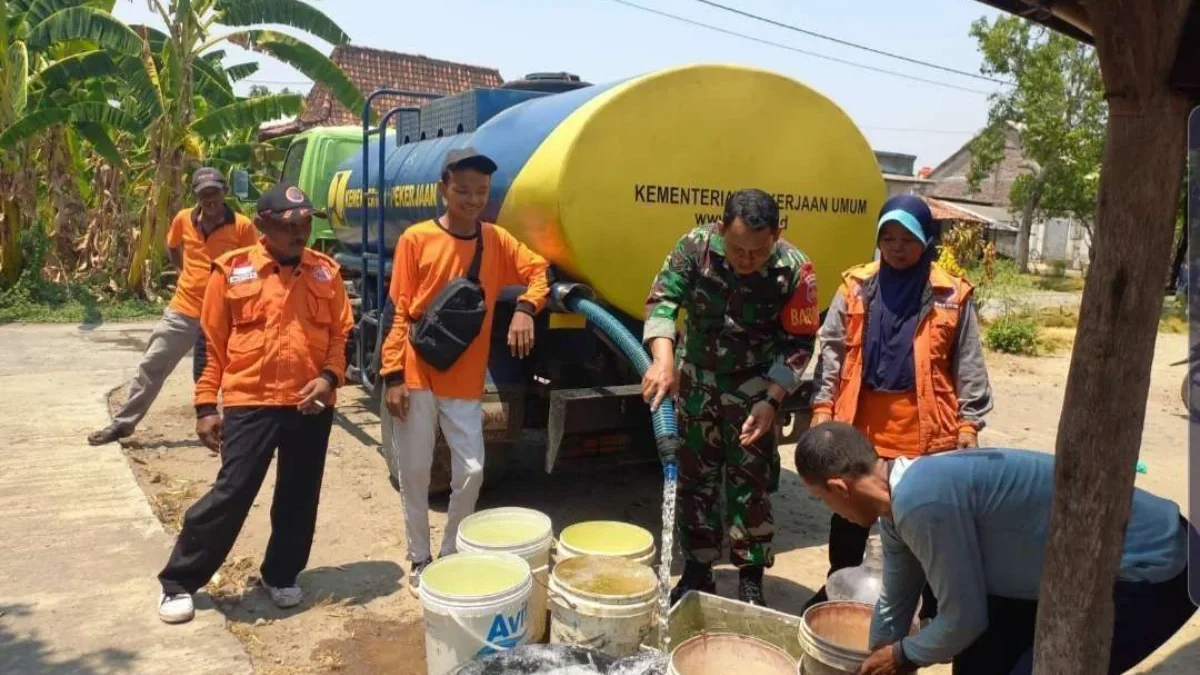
[{"x": 771, "y": 400}]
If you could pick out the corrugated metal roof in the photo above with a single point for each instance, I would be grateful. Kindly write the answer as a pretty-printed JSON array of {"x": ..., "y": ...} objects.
[
  {"x": 997, "y": 217},
  {"x": 943, "y": 210}
]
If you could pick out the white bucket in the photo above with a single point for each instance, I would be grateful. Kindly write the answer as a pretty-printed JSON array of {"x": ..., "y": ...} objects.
[
  {"x": 521, "y": 532},
  {"x": 475, "y": 604},
  {"x": 606, "y": 537},
  {"x": 725, "y": 653},
  {"x": 834, "y": 637},
  {"x": 603, "y": 603}
]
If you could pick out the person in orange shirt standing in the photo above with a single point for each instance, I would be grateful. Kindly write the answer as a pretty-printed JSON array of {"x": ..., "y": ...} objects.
[
  {"x": 275, "y": 322},
  {"x": 197, "y": 237},
  {"x": 435, "y": 361},
  {"x": 901, "y": 359}
]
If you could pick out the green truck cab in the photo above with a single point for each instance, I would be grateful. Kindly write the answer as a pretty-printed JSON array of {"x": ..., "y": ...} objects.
[{"x": 311, "y": 161}]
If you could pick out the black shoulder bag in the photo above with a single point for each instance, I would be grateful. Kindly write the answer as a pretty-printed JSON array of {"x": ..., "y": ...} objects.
[{"x": 454, "y": 318}]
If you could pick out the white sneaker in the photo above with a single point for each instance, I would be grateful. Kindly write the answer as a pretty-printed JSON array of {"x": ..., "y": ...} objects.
[
  {"x": 177, "y": 608},
  {"x": 286, "y": 597}
]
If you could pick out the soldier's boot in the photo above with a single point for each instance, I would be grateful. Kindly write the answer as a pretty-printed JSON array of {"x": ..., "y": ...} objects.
[
  {"x": 750, "y": 585},
  {"x": 696, "y": 577}
]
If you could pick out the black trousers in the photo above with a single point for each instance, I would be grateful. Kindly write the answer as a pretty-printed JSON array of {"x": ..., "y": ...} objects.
[
  {"x": 1147, "y": 615},
  {"x": 847, "y": 546},
  {"x": 212, "y": 524}
]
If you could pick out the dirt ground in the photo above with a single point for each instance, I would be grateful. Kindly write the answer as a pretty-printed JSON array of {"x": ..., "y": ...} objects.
[{"x": 359, "y": 618}]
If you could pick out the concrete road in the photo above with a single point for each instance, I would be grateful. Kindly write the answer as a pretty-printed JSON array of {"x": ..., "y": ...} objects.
[{"x": 81, "y": 548}]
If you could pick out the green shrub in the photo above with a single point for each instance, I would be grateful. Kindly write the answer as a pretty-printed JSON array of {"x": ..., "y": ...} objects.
[
  {"x": 1057, "y": 268},
  {"x": 35, "y": 299},
  {"x": 1005, "y": 288},
  {"x": 1013, "y": 335}
]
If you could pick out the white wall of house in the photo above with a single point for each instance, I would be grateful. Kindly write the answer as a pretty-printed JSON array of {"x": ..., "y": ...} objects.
[{"x": 1059, "y": 239}]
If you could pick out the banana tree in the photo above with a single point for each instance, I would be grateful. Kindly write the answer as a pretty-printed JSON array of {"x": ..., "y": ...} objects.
[
  {"x": 177, "y": 65},
  {"x": 51, "y": 54}
]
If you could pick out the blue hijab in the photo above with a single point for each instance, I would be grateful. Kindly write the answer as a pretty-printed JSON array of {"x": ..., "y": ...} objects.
[{"x": 896, "y": 307}]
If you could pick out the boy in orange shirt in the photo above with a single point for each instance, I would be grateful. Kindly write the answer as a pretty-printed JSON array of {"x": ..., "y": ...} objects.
[
  {"x": 431, "y": 256},
  {"x": 197, "y": 237}
]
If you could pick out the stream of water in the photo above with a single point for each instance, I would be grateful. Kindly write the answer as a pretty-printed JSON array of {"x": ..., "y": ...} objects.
[{"x": 670, "y": 485}]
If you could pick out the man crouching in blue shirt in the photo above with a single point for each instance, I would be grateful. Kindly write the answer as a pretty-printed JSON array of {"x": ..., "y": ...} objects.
[{"x": 974, "y": 524}]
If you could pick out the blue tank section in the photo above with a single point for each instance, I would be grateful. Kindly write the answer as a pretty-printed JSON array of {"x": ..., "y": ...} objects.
[
  {"x": 461, "y": 113},
  {"x": 510, "y": 138}
]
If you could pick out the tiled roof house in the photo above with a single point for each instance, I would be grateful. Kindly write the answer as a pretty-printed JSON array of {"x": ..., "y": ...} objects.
[
  {"x": 373, "y": 69},
  {"x": 951, "y": 175}
]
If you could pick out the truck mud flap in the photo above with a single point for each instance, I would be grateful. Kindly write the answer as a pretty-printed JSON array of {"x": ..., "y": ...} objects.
[{"x": 596, "y": 412}]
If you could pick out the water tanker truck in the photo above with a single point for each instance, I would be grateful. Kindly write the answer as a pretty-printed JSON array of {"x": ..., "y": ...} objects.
[{"x": 601, "y": 180}]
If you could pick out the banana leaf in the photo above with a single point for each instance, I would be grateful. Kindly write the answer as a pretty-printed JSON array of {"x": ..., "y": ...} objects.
[
  {"x": 315, "y": 65},
  {"x": 294, "y": 13},
  {"x": 247, "y": 114},
  {"x": 85, "y": 23}
]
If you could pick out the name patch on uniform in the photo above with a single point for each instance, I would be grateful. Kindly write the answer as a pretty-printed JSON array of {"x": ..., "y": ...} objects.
[
  {"x": 944, "y": 299},
  {"x": 242, "y": 274},
  {"x": 322, "y": 273}
]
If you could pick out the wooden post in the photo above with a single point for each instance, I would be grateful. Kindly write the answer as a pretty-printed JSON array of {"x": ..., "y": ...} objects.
[{"x": 1100, "y": 431}]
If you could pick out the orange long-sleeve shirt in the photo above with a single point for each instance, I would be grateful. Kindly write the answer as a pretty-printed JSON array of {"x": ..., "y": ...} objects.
[
  {"x": 270, "y": 330},
  {"x": 427, "y": 258},
  {"x": 199, "y": 251}
]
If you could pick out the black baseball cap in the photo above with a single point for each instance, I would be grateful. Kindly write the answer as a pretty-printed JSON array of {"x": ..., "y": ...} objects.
[
  {"x": 286, "y": 203},
  {"x": 468, "y": 157},
  {"x": 208, "y": 177}
]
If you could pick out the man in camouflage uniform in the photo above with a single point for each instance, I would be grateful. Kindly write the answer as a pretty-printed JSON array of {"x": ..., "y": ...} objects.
[{"x": 752, "y": 319}]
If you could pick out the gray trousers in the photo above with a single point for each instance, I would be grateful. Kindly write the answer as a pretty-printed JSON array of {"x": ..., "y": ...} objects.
[{"x": 169, "y": 343}]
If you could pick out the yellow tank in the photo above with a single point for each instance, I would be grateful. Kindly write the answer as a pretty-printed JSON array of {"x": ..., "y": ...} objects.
[
  {"x": 604, "y": 180},
  {"x": 612, "y": 188}
]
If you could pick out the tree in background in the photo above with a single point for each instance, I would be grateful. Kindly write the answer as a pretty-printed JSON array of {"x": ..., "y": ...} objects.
[
  {"x": 261, "y": 90},
  {"x": 52, "y": 56},
  {"x": 1056, "y": 109},
  {"x": 184, "y": 125},
  {"x": 100, "y": 122}
]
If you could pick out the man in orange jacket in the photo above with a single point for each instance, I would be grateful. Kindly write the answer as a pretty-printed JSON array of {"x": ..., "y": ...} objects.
[
  {"x": 197, "y": 236},
  {"x": 431, "y": 257},
  {"x": 275, "y": 322}
]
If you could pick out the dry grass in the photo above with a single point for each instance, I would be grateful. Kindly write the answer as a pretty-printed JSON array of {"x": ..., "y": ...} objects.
[
  {"x": 170, "y": 503},
  {"x": 1064, "y": 284},
  {"x": 329, "y": 660},
  {"x": 235, "y": 577},
  {"x": 1058, "y": 317},
  {"x": 1052, "y": 340},
  {"x": 1174, "y": 316}
]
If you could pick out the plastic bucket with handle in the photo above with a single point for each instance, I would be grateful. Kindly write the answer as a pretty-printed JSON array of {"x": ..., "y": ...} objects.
[
  {"x": 521, "y": 532},
  {"x": 604, "y": 603},
  {"x": 834, "y": 637},
  {"x": 475, "y": 604}
]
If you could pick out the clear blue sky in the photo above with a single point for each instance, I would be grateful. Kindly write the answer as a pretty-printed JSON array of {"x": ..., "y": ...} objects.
[{"x": 601, "y": 41}]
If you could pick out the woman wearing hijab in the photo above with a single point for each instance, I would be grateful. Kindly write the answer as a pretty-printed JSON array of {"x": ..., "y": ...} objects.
[{"x": 901, "y": 359}]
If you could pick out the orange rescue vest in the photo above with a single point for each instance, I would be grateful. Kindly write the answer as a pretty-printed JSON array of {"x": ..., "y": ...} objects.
[{"x": 933, "y": 355}]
